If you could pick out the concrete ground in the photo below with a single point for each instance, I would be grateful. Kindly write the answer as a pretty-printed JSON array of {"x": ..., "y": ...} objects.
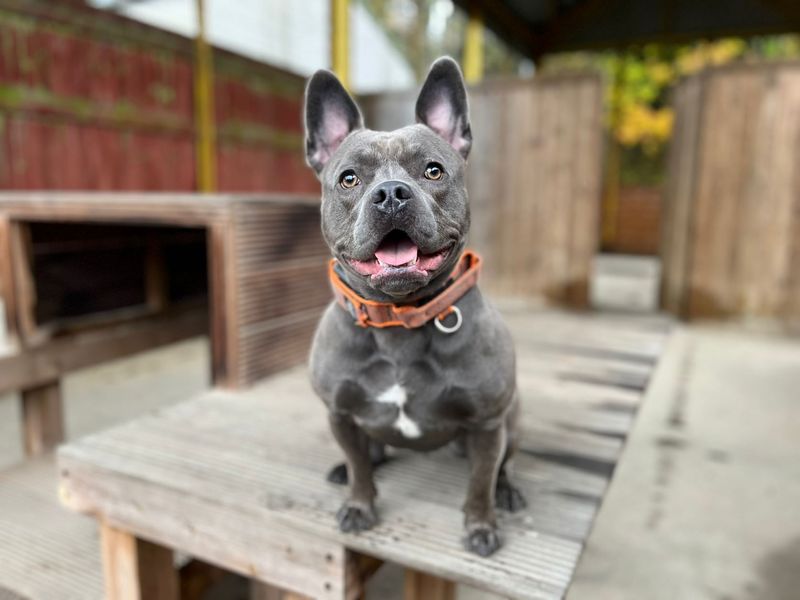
[
  {"x": 706, "y": 500},
  {"x": 705, "y": 503}
]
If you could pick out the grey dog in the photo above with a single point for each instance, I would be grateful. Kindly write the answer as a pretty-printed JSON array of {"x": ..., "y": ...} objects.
[{"x": 395, "y": 215}]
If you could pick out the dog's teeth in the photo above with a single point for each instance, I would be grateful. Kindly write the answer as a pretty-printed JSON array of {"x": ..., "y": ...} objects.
[{"x": 381, "y": 263}]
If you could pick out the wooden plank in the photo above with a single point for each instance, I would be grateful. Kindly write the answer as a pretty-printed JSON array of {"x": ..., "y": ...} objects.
[
  {"x": 279, "y": 288},
  {"x": 48, "y": 362},
  {"x": 24, "y": 288},
  {"x": 680, "y": 188},
  {"x": 252, "y": 542},
  {"x": 487, "y": 151},
  {"x": 730, "y": 207},
  {"x": 176, "y": 479},
  {"x": 136, "y": 569},
  {"x": 135, "y": 207},
  {"x": 265, "y": 257},
  {"x": 43, "y": 418},
  {"x": 37, "y": 536},
  {"x": 7, "y": 293},
  {"x": 222, "y": 287},
  {"x": 763, "y": 270},
  {"x": 531, "y": 224},
  {"x": 584, "y": 231},
  {"x": 422, "y": 586}
]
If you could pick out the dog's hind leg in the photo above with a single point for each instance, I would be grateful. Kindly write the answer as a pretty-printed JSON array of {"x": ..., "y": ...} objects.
[
  {"x": 507, "y": 496},
  {"x": 377, "y": 454}
]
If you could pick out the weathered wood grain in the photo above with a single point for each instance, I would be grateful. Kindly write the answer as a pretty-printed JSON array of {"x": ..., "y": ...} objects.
[
  {"x": 731, "y": 203},
  {"x": 35, "y": 537},
  {"x": 421, "y": 586},
  {"x": 136, "y": 569},
  {"x": 266, "y": 263},
  {"x": 37, "y": 365},
  {"x": 237, "y": 478},
  {"x": 7, "y": 293},
  {"x": 43, "y": 418}
]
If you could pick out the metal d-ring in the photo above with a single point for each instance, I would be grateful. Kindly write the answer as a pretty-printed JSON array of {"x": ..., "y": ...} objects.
[{"x": 451, "y": 328}]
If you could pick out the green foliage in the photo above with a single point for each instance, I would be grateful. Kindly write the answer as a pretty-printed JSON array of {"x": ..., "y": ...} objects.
[{"x": 638, "y": 114}]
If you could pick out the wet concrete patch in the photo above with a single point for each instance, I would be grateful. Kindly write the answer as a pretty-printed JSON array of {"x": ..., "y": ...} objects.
[
  {"x": 779, "y": 574},
  {"x": 671, "y": 442}
]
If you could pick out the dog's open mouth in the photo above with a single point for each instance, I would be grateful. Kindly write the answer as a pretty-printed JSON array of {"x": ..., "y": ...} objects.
[{"x": 398, "y": 254}]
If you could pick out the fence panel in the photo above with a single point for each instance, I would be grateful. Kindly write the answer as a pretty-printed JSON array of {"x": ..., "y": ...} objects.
[
  {"x": 732, "y": 203},
  {"x": 534, "y": 180}
]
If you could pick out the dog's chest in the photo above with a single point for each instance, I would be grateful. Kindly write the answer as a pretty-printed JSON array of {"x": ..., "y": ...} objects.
[{"x": 409, "y": 390}]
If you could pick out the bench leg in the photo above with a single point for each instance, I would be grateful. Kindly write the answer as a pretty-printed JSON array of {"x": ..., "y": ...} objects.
[
  {"x": 135, "y": 569},
  {"x": 359, "y": 568},
  {"x": 422, "y": 586},
  {"x": 264, "y": 591},
  {"x": 43, "y": 418}
]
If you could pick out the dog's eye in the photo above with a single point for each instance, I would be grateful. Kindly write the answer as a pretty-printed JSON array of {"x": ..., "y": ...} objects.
[
  {"x": 434, "y": 171},
  {"x": 349, "y": 179}
]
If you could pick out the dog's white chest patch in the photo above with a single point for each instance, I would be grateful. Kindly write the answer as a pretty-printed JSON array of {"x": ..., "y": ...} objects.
[{"x": 397, "y": 395}]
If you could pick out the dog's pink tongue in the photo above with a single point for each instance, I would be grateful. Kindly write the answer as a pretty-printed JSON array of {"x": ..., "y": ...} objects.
[{"x": 397, "y": 252}]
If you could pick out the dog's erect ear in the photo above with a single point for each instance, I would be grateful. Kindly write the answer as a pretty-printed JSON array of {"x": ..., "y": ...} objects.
[
  {"x": 442, "y": 105},
  {"x": 331, "y": 115}
]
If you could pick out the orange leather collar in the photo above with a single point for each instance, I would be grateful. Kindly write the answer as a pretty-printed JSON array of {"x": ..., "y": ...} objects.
[{"x": 369, "y": 313}]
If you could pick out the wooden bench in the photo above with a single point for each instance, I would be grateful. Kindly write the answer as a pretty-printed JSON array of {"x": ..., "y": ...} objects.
[
  {"x": 236, "y": 478},
  {"x": 90, "y": 277}
]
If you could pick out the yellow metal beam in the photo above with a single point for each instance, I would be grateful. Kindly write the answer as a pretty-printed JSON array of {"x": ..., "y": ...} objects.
[
  {"x": 340, "y": 40},
  {"x": 473, "y": 47},
  {"x": 204, "y": 107}
]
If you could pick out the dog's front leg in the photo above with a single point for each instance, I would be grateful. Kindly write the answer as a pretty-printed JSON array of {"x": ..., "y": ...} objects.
[
  {"x": 485, "y": 451},
  {"x": 358, "y": 512}
]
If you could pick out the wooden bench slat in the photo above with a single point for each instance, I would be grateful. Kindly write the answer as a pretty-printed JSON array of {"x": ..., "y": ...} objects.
[
  {"x": 234, "y": 477},
  {"x": 37, "y": 536}
]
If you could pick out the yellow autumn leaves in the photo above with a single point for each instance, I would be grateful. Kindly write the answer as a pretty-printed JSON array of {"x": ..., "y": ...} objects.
[
  {"x": 637, "y": 114},
  {"x": 639, "y": 80}
]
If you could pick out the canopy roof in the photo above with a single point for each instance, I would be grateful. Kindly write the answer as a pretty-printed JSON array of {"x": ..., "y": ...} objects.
[{"x": 537, "y": 27}]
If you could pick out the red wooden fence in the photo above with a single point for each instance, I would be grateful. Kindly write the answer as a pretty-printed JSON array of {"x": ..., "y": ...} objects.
[{"x": 91, "y": 100}]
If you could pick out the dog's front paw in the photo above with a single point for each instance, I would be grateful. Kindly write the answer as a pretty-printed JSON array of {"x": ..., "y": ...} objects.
[
  {"x": 338, "y": 474},
  {"x": 355, "y": 516},
  {"x": 507, "y": 497},
  {"x": 482, "y": 540}
]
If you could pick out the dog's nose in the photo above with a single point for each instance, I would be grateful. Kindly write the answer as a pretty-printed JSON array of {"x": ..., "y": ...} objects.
[{"x": 391, "y": 196}]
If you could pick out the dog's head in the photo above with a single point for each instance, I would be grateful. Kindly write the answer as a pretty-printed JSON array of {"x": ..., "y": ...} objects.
[{"x": 394, "y": 204}]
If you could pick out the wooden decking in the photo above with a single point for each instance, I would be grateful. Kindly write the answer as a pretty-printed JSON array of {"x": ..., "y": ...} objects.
[
  {"x": 237, "y": 478},
  {"x": 45, "y": 552}
]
